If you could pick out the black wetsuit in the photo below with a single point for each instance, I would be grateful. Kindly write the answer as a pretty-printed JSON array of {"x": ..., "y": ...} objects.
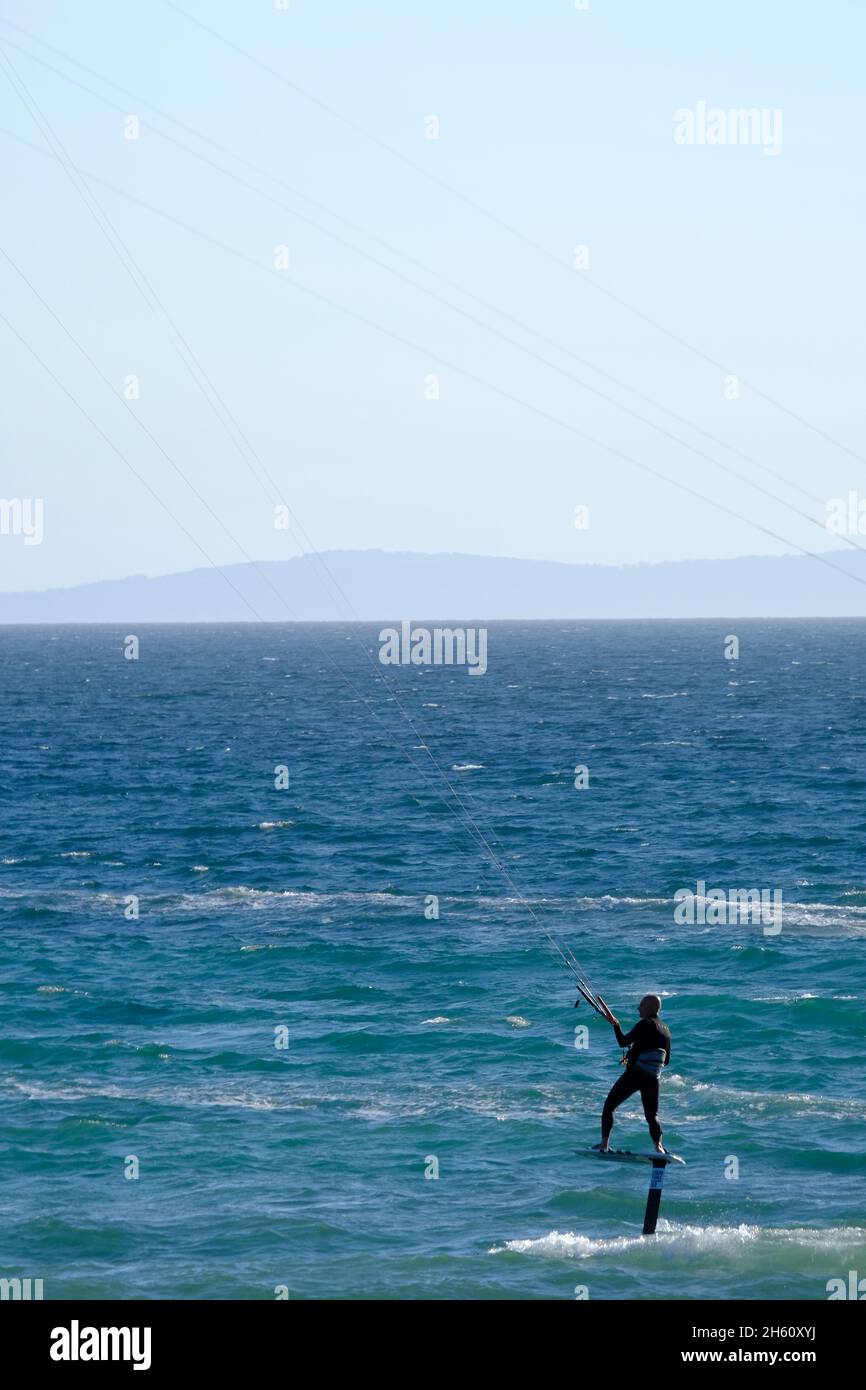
[{"x": 649, "y": 1045}]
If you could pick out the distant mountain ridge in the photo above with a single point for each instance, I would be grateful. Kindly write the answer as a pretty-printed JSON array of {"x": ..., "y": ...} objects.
[{"x": 389, "y": 585}]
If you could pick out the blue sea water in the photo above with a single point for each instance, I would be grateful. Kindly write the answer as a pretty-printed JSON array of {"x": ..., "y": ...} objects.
[{"x": 416, "y": 1042}]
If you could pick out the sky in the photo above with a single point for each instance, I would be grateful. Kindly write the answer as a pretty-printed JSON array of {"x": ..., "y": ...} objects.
[{"x": 282, "y": 292}]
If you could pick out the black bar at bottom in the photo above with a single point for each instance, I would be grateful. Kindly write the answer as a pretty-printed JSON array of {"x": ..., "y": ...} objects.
[{"x": 266, "y": 1337}]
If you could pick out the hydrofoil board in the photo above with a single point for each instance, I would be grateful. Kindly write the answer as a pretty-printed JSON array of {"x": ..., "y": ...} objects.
[{"x": 626, "y": 1156}]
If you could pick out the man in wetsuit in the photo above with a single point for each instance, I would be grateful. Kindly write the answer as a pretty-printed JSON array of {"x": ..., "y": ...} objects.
[{"x": 649, "y": 1045}]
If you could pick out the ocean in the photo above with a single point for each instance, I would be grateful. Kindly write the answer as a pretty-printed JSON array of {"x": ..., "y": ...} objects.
[{"x": 314, "y": 1041}]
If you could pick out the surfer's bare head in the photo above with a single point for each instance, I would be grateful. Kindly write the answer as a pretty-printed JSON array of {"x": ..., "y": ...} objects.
[{"x": 649, "y": 1006}]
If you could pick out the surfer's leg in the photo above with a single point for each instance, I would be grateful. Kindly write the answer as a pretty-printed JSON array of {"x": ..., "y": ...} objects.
[
  {"x": 621, "y": 1089},
  {"x": 649, "y": 1094}
]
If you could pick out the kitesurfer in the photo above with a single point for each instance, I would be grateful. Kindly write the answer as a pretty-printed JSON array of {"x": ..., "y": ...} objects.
[{"x": 649, "y": 1045}]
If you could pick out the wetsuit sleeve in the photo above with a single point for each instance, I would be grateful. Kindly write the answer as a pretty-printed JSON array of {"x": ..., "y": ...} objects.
[{"x": 625, "y": 1039}]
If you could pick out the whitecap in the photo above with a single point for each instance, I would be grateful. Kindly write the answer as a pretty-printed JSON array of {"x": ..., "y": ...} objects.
[{"x": 685, "y": 1239}]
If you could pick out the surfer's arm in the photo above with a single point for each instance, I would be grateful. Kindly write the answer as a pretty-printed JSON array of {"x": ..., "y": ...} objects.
[{"x": 624, "y": 1039}]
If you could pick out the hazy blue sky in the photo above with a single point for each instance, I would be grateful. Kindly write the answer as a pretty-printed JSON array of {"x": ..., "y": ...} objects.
[{"x": 557, "y": 121}]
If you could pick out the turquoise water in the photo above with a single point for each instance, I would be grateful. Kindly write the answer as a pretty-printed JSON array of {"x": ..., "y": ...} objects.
[{"x": 412, "y": 1039}]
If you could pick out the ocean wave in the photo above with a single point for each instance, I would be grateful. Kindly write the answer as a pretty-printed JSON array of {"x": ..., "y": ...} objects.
[
  {"x": 797, "y": 996},
  {"x": 184, "y": 1096},
  {"x": 830, "y": 919},
  {"x": 683, "y": 1239},
  {"x": 816, "y": 1106}
]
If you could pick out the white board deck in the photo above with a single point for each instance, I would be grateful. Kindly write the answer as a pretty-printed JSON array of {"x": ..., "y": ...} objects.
[{"x": 626, "y": 1156}]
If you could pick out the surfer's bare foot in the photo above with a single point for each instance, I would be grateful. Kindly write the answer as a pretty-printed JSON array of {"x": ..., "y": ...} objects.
[{"x": 603, "y": 1147}]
